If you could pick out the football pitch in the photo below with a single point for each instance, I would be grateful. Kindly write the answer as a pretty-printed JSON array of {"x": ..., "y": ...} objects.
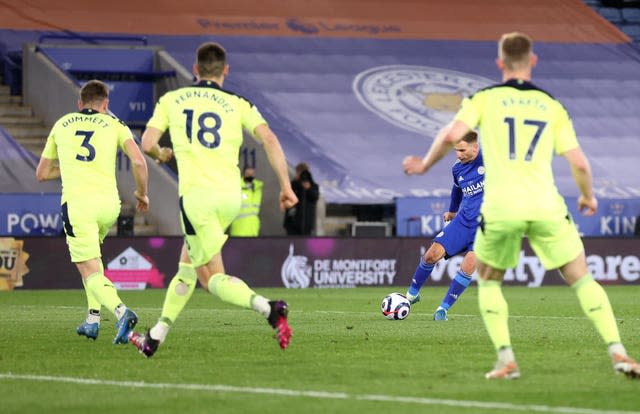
[{"x": 344, "y": 356}]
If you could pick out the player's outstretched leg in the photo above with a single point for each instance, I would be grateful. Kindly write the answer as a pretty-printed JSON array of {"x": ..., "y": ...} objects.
[
  {"x": 458, "y": 285},
  {"x": 420, "y": 276},
  {"x": 233, "y": 290},
  {"x": 595, "y": 304},
  {"x": 495, "y": 314},
  {"x": 278, "y": 320},
  {"x": 105, "y": 292},
  {"x": 91, "y": 326}
]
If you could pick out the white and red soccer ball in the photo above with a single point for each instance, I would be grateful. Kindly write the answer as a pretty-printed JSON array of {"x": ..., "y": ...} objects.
[{"x": 395, "y": 306}]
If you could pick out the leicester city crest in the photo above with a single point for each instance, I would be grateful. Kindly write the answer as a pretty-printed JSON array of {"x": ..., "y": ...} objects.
[{"x": 421, "y": 99}]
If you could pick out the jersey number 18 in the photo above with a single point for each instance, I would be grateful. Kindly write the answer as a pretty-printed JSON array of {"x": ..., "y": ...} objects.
[{"x": 204, "y": 133}]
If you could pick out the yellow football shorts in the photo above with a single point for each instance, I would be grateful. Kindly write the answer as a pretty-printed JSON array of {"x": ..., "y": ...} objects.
[
  {"x": 556, "y": 242},
  {"x": 86, "y": 223},
  {"x": 204, "y": 216}
]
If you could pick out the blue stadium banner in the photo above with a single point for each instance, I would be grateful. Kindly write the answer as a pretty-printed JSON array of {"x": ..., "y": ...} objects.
[
  {"x": 422, "y": 216},
  {"x": 30, "y": 214}
]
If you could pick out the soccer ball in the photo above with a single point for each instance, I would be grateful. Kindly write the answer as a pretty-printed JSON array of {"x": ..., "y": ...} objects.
[{"x": 395, "y": 306}]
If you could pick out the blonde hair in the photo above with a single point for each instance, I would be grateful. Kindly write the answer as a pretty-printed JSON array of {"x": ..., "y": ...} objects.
[{"x": 515, "y": 50}]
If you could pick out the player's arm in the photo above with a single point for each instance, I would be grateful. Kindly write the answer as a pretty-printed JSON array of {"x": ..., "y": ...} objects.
[
  {"x": 443, "y": 143},
  {"x": 140, "y": 173},
  {"x": 150, "y": 138},
  {"x": 278, "y": 163},
  {"x": 581, "y": 170},
  {"x": 454, "y": 204},
  {"x": 47, "y": 169}
]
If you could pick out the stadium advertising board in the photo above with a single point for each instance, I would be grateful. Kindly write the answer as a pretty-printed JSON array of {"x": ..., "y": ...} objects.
[
  {"x": 13, "y": 263},
  {"x": 30, "y": 214},
  {"x": 422, "y": 216},
  {"x": 309, "y": 262}
]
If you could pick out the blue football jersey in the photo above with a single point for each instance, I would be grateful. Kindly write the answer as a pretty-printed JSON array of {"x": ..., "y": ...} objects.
[{"x": 468, "y": 183}]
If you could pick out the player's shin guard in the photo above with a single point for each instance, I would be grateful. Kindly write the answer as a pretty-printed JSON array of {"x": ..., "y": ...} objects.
[
  {"x": 179, "y": 292},
  {"x": 595, "y": 304},
  {"x": 231, "y": 290},
  {"x": 103, "y": 290},
  {"x": 495, "y": 312}
]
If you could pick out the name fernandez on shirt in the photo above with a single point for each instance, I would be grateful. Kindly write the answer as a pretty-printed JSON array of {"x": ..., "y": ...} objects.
[{"x": 204, "y": 94}]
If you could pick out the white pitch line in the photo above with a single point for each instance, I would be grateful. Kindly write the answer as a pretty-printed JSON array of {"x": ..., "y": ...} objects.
[{"x": 222, "y": 388}]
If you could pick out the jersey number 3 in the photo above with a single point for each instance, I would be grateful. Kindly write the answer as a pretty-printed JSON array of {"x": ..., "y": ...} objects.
[
  {"x": 85, "y": 144},
  {"x": 208, "y": 136},
  {"x": 511, "y": 122}
]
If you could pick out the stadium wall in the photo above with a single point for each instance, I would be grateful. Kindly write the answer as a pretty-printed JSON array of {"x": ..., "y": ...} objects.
[{"x": 43, "y": 262}]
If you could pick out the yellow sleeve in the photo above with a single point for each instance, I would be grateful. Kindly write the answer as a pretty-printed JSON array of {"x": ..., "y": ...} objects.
[
  {"x": 160, "y": 118},
  {"x": 565, "y": 135},
  {"x": 469, "y": 113},
  {"x": 124, "y": 133},
  {"x": 50, "y": 150},
  {"x": 251, "y": 117}
]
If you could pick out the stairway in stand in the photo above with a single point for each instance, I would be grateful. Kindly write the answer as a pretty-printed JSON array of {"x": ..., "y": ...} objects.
[{"x": 18, "y": 120}]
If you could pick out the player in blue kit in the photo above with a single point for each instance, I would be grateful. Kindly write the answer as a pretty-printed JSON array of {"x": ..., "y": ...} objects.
[{"x": 458, "y": 235}]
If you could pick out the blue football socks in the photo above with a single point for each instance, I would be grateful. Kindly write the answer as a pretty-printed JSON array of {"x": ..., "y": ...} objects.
[
  {"x": 422, "y": 273},
  {"x": 457, "y": 286}
]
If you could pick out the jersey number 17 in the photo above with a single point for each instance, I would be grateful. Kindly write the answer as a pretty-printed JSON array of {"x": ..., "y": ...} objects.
[{"x": 511, "y": 123}]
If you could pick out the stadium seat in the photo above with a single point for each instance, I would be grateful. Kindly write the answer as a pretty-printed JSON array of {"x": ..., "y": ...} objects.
[
  {"x": 632, "y": 30},
  {"x": 631, "y": 15},
  {"x": 610, "y": 13}
]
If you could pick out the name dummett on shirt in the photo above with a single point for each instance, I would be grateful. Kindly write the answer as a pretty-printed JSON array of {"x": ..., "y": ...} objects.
[
  {"x": 204, "y": 94},
  {"x": 99, "y": 121}
]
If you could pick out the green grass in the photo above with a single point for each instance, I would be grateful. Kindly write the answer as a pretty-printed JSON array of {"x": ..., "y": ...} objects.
[{"x": 342, "y": 346}]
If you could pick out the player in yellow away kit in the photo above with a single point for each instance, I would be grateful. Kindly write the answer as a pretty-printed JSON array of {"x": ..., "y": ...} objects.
[
  {"x": 521, "y": 128},
  {"x": 206, "y": 123},
  {"x": 85, "y": 144}
]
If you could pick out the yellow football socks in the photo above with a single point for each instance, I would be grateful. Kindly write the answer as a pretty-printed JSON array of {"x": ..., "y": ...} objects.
[
  {"x": 495, "y": 312},
  {"x": 103, "y": 290},
  {"x": 179, "y": 292},
  {"x": 231, "y": 290},
  {"x": 595, "y": 304}
]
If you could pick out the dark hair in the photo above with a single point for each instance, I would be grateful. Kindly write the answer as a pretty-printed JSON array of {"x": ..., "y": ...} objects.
[
  {"x": 306, "y": 176},
  {"x": 302, "y": 167},
  {"x": 211, "y": 59},
  {"x": 470, "y": 137},
  {"x": 93, "y": 91}
]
